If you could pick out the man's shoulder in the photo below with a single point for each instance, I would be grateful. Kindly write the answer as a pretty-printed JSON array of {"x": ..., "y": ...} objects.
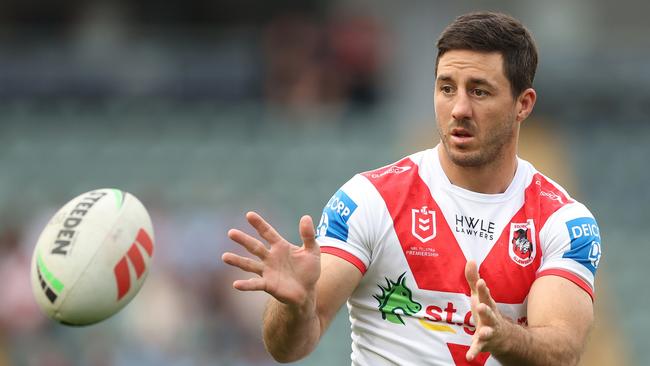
[
  {"x": 547, "y": 197},
  {"x": 546, "y": 190},
  {"x": 405, "y": 168},
  {"x": 364, "y": 186}
]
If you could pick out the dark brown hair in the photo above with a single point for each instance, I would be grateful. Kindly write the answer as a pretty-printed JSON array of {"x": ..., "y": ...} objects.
[{"x": 494, "y": 32}]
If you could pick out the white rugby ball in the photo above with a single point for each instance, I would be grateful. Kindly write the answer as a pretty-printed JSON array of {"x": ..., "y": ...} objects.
[{"x": 92, "y": 257}]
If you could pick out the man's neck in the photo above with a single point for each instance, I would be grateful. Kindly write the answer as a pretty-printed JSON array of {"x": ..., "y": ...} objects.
[{"x": 492, "y": 178}]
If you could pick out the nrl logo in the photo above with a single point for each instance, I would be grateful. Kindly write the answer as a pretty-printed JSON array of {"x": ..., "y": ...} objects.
[
  {"x": 423, "y": 224},
  {"x": 522, "y": 245}
]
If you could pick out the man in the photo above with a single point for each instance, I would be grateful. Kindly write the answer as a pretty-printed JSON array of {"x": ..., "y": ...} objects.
[{"x": 462, "y": 254}]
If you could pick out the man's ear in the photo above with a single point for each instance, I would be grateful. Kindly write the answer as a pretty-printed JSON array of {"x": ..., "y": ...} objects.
[{"x": 525, "y": 103}]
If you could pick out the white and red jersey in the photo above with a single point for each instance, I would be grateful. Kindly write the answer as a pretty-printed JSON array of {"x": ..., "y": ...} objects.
[{"x": 411, "y": 232}]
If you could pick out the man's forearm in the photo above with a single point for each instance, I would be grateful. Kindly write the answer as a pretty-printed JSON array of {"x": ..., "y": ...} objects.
[
  {"x": 538, "y": 346},
  {"x": 290, "y": 332}
]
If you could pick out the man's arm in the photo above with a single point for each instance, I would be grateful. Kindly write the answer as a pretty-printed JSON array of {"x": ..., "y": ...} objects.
[
  {"x": 304, "y": 300},
  {"x": 291, "y": 333},
  {"x": 560, "y": 315}
]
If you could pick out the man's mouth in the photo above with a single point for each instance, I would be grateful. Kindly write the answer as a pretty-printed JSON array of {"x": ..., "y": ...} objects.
[{"x": 461, "y": 135}]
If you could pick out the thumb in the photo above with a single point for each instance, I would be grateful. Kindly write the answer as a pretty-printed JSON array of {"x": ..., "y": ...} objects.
[
  {"x": 471, "y": 275},
  {"x": 307, "y": 232}
]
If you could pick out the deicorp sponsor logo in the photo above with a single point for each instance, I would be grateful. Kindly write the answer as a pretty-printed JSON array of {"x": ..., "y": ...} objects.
[
  {"x": 585, "y": 242},
  {"x": 337, "y": 212}
]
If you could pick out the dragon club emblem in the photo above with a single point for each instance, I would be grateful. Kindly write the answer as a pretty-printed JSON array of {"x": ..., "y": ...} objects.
[
  {"x": 396, "y": 301},
  {"x": 522, "y": 245}
]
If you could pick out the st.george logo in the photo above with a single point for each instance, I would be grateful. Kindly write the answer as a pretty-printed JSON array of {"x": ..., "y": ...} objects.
[
  {"x": 423, "y": 224},
  {"x": 521, "y": 247}
]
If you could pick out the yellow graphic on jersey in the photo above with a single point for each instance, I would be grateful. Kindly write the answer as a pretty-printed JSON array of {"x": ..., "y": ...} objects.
[{"x": 436, "y": 327}]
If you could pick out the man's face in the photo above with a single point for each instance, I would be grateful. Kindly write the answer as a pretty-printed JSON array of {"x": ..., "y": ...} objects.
[{"x": 475, "y": 110}]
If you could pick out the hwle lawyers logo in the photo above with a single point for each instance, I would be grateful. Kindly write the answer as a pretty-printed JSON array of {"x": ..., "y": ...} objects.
[
  {"x": 478, "y": 227},
  {"x": 423, "y": 224}
]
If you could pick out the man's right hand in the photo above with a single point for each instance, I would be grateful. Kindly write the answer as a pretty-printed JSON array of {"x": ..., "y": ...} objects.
[{"x": 286, "y": 271}]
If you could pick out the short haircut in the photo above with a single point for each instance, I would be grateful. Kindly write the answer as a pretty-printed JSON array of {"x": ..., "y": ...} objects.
[{"x": 494, "y": 32}]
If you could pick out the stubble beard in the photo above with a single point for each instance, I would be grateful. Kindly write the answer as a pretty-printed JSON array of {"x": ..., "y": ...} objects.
[{"x": 491, "y": 144}]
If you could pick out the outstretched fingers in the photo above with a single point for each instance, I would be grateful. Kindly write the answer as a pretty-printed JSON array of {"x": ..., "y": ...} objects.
[
  {"x": 243, "y": 263},
  {"x": 307, "y": 233},
  {"x": 487, "y": 315},
  {"x": 474, "y": 349},
  {"x": 471, "y": 275},
  {"x": 484, "y": 310},
  {"x": 252, "y": 245},
  {"x": 251, "y": 284},
  {"x": 477, "y": 285},
  {"x": 266, "y": 231},
  {"x": 479, "y": 340},
  {"x": 484, "y": 294}
]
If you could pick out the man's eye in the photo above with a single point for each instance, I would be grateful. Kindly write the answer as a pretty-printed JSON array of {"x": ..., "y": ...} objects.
[
  {"x": 480, "y": 93},
  {"x": 447, "y": 89}
]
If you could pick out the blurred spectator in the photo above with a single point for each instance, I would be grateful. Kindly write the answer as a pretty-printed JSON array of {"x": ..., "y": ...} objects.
[
  {"x": 330, "y": 63},
  {"x": 296, "y": 67},
  {"x": 357, "y": 51},
  {"x": 18, "y": 311}
]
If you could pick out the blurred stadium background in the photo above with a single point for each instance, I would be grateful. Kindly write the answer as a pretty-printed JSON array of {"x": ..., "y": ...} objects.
[{"x": 205, "y": 109}]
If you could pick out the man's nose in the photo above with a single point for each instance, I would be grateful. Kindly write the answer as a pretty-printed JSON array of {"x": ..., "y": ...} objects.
[{"x": 462, "y": 107}]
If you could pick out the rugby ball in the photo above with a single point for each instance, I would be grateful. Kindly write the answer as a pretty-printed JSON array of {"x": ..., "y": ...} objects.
[{"x": 92, "y": 257}]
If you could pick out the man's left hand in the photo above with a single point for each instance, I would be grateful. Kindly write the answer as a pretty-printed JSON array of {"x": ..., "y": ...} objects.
[{"x": 491, "y": 327}]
